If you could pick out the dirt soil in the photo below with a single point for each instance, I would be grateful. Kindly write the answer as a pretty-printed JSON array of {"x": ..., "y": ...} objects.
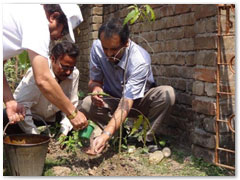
[{"x": 110, "y": 163}]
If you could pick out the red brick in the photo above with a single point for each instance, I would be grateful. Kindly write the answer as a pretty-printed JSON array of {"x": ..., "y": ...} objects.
[
  {"x": 189, "y": 31},
  {"x": 204, "y": 107},
  {"x": 171, "y": 45},
  {"x": 186, "y": 19},
  {"x": 180, "y": 59},
  {"x": 184, "y": 98},
  {"x": 209, "y": 42},
  {"x": 171, "y": 22},
  {"x": 190, "y": 59},
  {"x": 207, "y": 75},
  {"x": 167, "y": 10},
  {"x": 179, "y": 84},
  {"x": 97, "y": 10},
  {"x": 204, "y": 153},
  {"x": 206, "y": 58},
  {"x": 156, "y": 6},
  {"x": 200, "y": 27},
  {"x": 185, "y": 45},
  {"x": 96, "y": 19},
  {"x": 158, "y": 47},
  {"x": 182, "y": 8},
  {"x": 174, "y": 33},
  {"x": 198, "y": 88},
  {"x": 211, "y": 25},
  {"x": 93, "y": 35},
  {"x": 148, "y": 36},
  {"x": 161, "y": 35},
  {"x": 160, "y": 24},
  {"x": 205, "y": 10}
]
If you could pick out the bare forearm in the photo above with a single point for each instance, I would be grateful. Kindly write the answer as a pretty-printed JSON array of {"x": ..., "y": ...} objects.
[
  {"x": 48, "y": 85},
  {"x": 53, "y": 92},
  {"x": 15, "y": 111},
  {"x": 119, "y": 115}
]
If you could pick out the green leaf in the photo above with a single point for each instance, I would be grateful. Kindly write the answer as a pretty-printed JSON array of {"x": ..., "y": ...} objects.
[
  {"x": 135, "y": 17},
  {"x": 124, "y": 146},
  {"x": 144, "y": 150},
  {"x": 162, "y": 143},
  {"x": 145, "y": 128},
  {"x": 152, "y": 14},
  {"x": 140, "y": 139},
  {"x": 147, "y": 8},
  {"x": 23, "y": 58},
  {"x": 137, "y": 124},
  {"x": 129, "y": 16},
  {"x": 150, "y": 10}
]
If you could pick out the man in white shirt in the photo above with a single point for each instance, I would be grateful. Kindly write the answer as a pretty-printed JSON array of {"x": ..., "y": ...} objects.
[
  {"x": 62, "y": 67},
  {"x": 31, "y": 27}
]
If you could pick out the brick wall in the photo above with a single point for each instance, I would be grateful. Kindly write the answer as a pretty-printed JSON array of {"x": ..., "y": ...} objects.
[
  {"x": 85, "y": 34},
  {"x": 183, "y": 45}
]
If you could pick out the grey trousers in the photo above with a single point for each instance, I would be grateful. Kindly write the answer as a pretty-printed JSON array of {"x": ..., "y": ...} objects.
[{"x": 155, "y": 105}]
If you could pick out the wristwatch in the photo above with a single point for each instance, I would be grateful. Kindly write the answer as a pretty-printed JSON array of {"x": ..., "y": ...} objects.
[
  {"x": 107, "y": 133},
  {"x": 73, "y": 114}
]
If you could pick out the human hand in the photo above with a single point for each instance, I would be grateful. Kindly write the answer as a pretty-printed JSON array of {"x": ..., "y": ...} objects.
[
  {"x": 79, "y": 122},
  {"x": 15, "y": 111},
  {"x": 97, "y": 99},
  {"x": 99, "y": 143}
]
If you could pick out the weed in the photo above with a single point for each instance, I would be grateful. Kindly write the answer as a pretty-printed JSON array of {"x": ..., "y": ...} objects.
[
  {"x": 49, "y": 163},
  {"x": 209, "y": 169},
  {"x": 71, "y": 142}
]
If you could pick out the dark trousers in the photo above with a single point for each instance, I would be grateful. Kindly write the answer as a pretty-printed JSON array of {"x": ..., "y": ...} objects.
[{"x": 156, "y": 105}]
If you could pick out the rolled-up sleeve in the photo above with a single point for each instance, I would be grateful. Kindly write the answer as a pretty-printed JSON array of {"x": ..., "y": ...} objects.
[{"x": 95, "y": 68}]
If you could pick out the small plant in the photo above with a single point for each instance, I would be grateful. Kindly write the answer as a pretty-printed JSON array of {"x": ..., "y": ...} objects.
[
  {"x": 140, "y": 133},
  {"x": 71, "y": 141},
  {"x": 144, "y": 12}
]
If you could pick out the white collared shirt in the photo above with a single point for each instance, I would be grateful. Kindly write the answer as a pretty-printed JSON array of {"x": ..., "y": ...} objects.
[{"x": 28, "y": 94}]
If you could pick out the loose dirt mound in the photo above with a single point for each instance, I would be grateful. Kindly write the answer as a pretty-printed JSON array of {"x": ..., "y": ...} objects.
[{"x": 110, "y": 163}]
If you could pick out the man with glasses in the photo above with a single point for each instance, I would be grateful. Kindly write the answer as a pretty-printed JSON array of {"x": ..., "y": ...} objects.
[
  {"x": 122, "y": 69},
  {"x": 62, "y": 67},
  {"x": 30, "y": 27}
]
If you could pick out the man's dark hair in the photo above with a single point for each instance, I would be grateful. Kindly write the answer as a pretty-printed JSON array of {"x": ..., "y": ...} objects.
[
  {"x": 51, "y": 8},
  {"x": 63, "y": 48},
  {"x": 115, "y": 26}
]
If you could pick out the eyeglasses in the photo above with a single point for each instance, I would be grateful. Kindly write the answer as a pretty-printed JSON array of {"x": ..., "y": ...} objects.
[{"x": 65, "y": 68}]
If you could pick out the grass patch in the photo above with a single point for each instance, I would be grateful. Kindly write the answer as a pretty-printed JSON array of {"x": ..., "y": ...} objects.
[{"x": 49, "y": 163}]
